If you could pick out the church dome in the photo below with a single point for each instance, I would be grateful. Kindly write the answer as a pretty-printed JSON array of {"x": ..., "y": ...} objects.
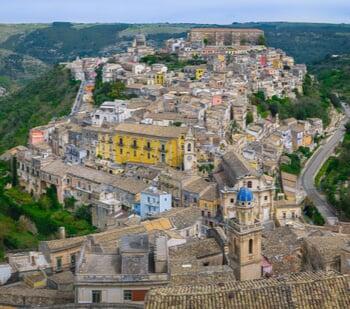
[{"x": 244, "y": 195}]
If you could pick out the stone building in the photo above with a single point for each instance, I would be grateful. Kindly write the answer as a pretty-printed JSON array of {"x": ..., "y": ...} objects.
[
  {"x": 124, "y": 274},
  {"x": 236, "y": 173},
  {"x": 244, "y": 237},
  {"x": 225, "y": 36}
]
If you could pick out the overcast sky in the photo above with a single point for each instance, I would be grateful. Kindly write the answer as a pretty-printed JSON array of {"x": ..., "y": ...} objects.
[{"x": 200, "y": 11}]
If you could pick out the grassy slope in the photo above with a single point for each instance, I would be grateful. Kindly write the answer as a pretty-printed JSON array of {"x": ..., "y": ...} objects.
[{"x": 36, "y": 104}]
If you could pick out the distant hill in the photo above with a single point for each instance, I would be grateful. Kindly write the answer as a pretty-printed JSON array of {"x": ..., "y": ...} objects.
[
  {"x": 63, "y": 41},
  {"x": 49, "y": 96},
  {"x": 307, "y": 42}
]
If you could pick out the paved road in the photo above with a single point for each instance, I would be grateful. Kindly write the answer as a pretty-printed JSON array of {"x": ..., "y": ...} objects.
[
  {"x": 313, "y": 166},
  {"x": 78, "y": 99}
]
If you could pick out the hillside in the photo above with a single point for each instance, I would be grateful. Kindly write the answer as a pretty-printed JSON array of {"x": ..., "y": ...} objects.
[
  {"x": 18, "y": 69},
  {"x": 306, "y": 42},
  {"x": 62, "y": 41},
  {"x": 7, "y": 30},
  {"x": 49, "y": 96},
  {"x": 333, "y": 74}
]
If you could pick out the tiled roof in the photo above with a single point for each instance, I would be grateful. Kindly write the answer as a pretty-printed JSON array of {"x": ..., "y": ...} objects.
[
  {"x": 303, "y": 290},
  {"x": 203, "y": 276},
  {"x": 197, "y": 186},
  {"x": 237, "y": 165},
  {"x": 183, "y": 217},
  {"x": 329, "y": 247},
  {"x": 111, "y": 236},
  {"x": 157, "y": 224},
  {"x": 62, "y": 244},
  {"x": 196, "y": 248},
  {"x": 150, "y": 130}
]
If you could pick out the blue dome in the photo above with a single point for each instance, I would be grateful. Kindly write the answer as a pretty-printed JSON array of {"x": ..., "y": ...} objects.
[{"x": 244, "y": 195}]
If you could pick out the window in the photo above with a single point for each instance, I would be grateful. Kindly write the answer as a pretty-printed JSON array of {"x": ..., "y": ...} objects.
[
  {"x": 189, "y": 147},
  {"x": 72, "y": 260},
  {"x": 148, "y": 199},
  {"x": 250, "y": 246},
  {"x": 163, "y": 158},
  {"x": 266, "y": 198},
  {"x": 187, "y": 233},
  {"x": 163, "y": 147},
  {"x": 135, "y": 143},
  {"x": 293, "y": 215},
  {"x": 209, "y": 214},
  {"x": 58, "y": 263},
  {"x": 284, "y": 215},
  {"x": 232, "y": 200},
  {"x": 148, "y": 155},
  {"x": 121, "y": 150},
  {"x": 96, "y": 296},
  {"x": 127, "y": 295},
  {"x": 148, "y": 145},
  {"x": 134, "y": 153},
  {"x": 250, "y": 184},
  {"x": 120, "y": 141}
]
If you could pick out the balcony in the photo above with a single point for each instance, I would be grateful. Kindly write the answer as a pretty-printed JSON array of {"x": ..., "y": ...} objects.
[{"x": 244, "y": 228}]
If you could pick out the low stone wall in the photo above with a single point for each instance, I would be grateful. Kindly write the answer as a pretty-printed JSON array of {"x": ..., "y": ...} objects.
[{"x": 26, "y": 298}]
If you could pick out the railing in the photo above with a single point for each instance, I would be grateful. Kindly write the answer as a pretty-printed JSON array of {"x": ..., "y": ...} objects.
[{"x": 243, "y": 228}]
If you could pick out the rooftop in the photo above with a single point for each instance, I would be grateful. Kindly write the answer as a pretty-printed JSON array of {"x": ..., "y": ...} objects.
[
  {"x": 303, "y": 290},
  {"x": 150, "y": 130}
]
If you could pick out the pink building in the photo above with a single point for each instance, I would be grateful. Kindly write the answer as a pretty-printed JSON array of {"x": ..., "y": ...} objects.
[
  {"x": 36, "y": 136},
  {"x": 216, "y": 100},
  {"x": 263, "y": 60}
]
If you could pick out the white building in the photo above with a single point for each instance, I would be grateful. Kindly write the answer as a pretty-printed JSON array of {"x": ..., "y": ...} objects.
[{"x": 111, "y": 112}]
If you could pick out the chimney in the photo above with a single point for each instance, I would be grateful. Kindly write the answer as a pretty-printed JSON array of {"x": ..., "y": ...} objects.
[{"x": 62, "y": 232}]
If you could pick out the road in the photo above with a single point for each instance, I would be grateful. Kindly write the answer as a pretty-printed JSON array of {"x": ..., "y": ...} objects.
[
  {"x": 78, "y": 99},
  {"x": 315, "y": 163}
]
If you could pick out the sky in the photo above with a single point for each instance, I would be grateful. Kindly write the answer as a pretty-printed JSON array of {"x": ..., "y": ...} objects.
[{"x": 197, "y": 11}]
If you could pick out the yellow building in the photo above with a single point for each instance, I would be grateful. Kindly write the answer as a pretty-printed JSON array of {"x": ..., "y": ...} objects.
[
  {"x": 199, "y": 73},
  {"x": 145, "y": 144},
  {"x": 159, "y": 79}
]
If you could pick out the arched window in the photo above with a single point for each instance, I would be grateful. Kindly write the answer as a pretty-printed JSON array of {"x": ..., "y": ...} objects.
[
  {"x": 250, "y": 184},
  {"x": 250, "y": 246},
  {"x": 189, "y": 147}
]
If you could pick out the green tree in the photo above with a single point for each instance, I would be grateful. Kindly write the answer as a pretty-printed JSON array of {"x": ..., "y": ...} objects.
[
  {"x": 249, "y": 118},
  {"x": 262, "y": 40},
  {"x": 347, "y": 127}
]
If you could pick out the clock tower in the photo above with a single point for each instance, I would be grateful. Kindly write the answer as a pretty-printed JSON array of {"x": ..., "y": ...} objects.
[{"x": 190, "y": 159}]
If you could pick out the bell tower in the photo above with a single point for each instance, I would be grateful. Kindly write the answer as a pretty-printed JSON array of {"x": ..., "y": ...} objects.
[
  {"x": 244, "y": 237},
  {"x": 190, "y": 159}
]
